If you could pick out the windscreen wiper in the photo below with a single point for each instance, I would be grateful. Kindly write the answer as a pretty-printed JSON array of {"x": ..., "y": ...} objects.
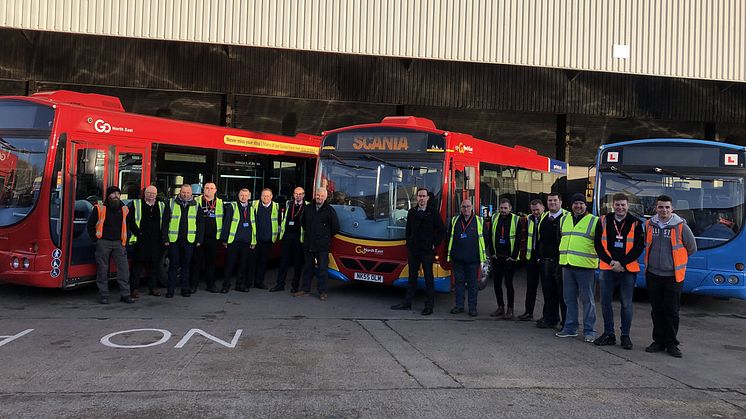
[
  {"x": 626, "y": 175},
  {"x": 344, "y": 163},
  {"x": 380, "y": 160},
  {"x": 661, "y": 170}
]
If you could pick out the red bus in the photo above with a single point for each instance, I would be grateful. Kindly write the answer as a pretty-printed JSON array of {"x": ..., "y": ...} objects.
[
  {"x": 372, "y": 173},
  {"x": 68, "y": 147}
]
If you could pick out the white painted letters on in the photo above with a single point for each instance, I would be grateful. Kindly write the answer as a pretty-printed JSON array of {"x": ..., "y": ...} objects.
[
  {"x": 11, "y": 338},
  {"x": 193, "y": 332},
  {"x": 106, "y": 340}
]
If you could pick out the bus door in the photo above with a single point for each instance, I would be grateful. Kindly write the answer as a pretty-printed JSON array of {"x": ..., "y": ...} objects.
[
  {"x": 463, "y": 186},
  {"x": 130, "y": 172}
]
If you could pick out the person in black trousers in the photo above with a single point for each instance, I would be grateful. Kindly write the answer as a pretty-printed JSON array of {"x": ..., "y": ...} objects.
[
  {"x": 213, "y": 213},
  {"x": 236, "y": 238},
  {"x": 505, "y": 245},
  {"x": 321, "y": 224},
  {"x": 532, "y": 258},
  {"x": 181, "y": 234},
  {"x": 424, "y": 233},
  {"x": 291, "y": 236},
  {"x": 145, "y": 218},
  {"x": 551, "y": 272}
]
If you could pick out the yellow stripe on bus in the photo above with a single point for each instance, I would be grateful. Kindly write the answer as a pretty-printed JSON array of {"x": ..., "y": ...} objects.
[{"x": 269, "y": 145}]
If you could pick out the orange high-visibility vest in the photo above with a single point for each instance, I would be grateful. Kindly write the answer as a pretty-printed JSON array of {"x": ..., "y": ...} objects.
[
  {"x": 632, "y": 266},
  {"x": 680, "y": 255},
  {"x": 102, "y": 217}
]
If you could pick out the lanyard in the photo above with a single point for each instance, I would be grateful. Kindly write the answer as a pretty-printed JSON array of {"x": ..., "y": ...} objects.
[
  {"x": 292, "y": 210},
  {"x": 245, "y": 212},
  {"x": 210, "y": 207},
  {"x": 464, "y": 227},
  {"x": 619, "y": 230}
]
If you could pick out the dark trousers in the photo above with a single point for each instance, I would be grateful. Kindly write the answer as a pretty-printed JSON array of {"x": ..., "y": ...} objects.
[
  {"x": 204, "y": 257},
  {"x": 105, "y": 251},
  {"x": 180, "y": 256},
  {"x": 426, "y": 261},
  {"x": 551, "y": 287},
  {"x": 154, "y": 273},
  {"x": 465, "y": 277},
  {"x": 504, "y": 270},
  {"x": 533, "y": 275},
  {"x": 291, "y": 253},
  {"x": 665, "y": 299},
  {"x": 318, "y": 263},
  {"x": 239, "y": 255},
  {"x": 262, "y": 251}
]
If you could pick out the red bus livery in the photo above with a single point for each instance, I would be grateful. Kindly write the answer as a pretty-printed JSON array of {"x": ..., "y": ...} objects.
[
  {"x": 60, "y": 150},
  {"x": 372, "y": 173}
]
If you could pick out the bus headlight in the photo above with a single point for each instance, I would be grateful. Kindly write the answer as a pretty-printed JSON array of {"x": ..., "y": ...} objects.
[
  {"x": 719, "y": 279},
  {"x": 26, "y": 263},
  {"x": 739, "y": 266},
  {"x": 15, "y": 263},
  {"x": 733, "y": 280}
]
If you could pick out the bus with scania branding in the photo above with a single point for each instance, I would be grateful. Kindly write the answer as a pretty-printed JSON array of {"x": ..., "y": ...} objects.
[
  {"x": 705, "y": 181},
  {"x": 372, "y": 173},
  {"x": 61, "y": 150}
]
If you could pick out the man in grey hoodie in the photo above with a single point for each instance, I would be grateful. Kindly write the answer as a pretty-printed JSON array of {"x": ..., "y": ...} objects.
[{"x": 668, "y": 244}]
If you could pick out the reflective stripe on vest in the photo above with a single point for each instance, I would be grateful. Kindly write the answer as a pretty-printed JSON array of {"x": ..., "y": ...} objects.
[
  {"x": 173, "y": 225},
  {"x": 137, "y": 205},
  {"x": 102, "y": 217},
  {"x": 511, "y": 235},
  {"x": 480, "y": 239},
  {"x": 530, "y": 234},
  {"x": 274, "y": 217},
  {"x": 577, "y": 243},
  {"x": 284, "y": 221},
  {"x": 633, "y": 266},
  {"x": 235, "y": 220},
  {"x": 679, "y": 253}
]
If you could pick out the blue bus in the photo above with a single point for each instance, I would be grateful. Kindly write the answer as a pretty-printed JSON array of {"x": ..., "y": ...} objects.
[{"x": 705, "y": 179}]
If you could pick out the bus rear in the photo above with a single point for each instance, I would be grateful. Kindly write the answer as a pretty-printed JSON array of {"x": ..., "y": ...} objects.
[{"x": 706, "y": 183}]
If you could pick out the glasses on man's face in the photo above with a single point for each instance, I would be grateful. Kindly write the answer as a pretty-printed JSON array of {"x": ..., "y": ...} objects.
[{"x": 421, "y": 196}]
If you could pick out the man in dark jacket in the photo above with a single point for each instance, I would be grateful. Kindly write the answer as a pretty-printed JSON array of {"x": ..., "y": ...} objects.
[
  {"x": 107, "y": 227},
  {"x": 424, "y": 233},
  {"x": 145, "y": 218},
  {"x": 320, "y": 223},
  {"x": 237, "y": 232},
  {"x": 291, "y": 234}
]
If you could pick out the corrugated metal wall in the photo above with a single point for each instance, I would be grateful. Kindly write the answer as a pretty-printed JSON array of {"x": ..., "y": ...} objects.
[{"x": 703, "y": 39}]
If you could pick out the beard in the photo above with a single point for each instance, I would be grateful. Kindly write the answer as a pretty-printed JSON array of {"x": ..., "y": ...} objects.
[{"x": 113, "y": 202}]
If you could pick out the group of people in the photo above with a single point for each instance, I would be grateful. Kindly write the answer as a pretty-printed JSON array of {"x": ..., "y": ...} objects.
[
  {"x": 191, "y": 229},
  {"x": 562, "y": 250}
]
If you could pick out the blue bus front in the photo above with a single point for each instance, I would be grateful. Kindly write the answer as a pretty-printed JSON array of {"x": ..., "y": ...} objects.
[{"x": 706, "y": 182}]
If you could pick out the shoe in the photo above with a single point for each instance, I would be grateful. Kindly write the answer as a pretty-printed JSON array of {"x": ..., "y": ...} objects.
[
  {"x": 322, "y": 296},
  {"x": 508, "y": 314},
  {"x": 224, "y": 290},
  {"x": 626, "y": 342},
  {"x": 293, "y": 290},
  {"x": 674, "y": 351},
  {"x": 299, "y": 294},
  {"x": 589, "y": 338},
  {"x": 427, "y": 311},
  {"x": 193, "y": 290},
  {"x": 565, "y": 334},
  {"x": 499, "y": 312},
  {"x": 277, "y": 288},
  {"x": 212, "y": 290},
  {"x": 605, "y": 340},
  {"x": 260, "y": 286},
  {"x": 541, "y": 324},
  {"x": 170, "y": 294},
  {"x": 103, "y": 300},
  {"x": 186, "y": 293},
  {"x": 154, "y": 293},
  {"x": 472, "y": 314},
  {"x": 135, "y": 294},
  {"x": 401, "y": 306},
  {"x": 126, "y": 299},
  {"x": 457, "y": 310},
  {"x": 655, "y": 347},
  {"x": 525, "y": 317}
]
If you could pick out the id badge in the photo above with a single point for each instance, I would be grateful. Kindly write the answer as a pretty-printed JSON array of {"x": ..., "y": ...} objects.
[
  {"x": 463, "y": 235},
  {"x": 619, "y": 245},
  {"x": 291, "y": 223},
  {"x": 502, "y": 241},
  {"x": 245, "y": 224},
  {"x": 619, "y": 237},
  {"x": 212, "y": 215}
]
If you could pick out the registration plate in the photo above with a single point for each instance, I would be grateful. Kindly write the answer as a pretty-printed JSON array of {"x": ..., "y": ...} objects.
[{"x": 361, "y": 276}]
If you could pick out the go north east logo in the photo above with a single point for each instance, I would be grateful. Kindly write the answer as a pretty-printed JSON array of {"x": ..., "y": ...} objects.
[
  {"x": 104, "y": 127},
  {"x": 463, "y": 148},
  {"x": 360, "y": 250}
]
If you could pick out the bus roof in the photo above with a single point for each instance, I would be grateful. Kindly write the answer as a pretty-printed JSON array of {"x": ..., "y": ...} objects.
[{"x": 672, "y": 141}]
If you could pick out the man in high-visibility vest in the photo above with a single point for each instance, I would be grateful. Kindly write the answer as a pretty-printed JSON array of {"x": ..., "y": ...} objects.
[
  {"x": 467, "y": 251},
  {"x": 668, "y": 244},
  {"x": 107, "y": 227},
  {"x": 619, "y": 242},
  {"x": 181, "y": 234},
  {"x": 578, "y": 258},
  {"x": 532, "y": 258},
  {"x": 265, "y": 220},
  {"x": 505, "y": 248},
  {"x": 236, "y": 238},
  {"x": 291, "y": 234},
  {"x": 213, "y": 213},
  {"x": 145, "y": 218}
]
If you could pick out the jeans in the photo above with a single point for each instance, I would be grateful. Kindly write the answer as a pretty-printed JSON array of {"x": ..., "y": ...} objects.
[
  {"x": 105, "y": 250},
  {"x": 179, "y": 256},
  {"x": 608, "y": 281},
  {"x": 426, "y": 260},
  {"x": 665, "y": 298},
  {"x": 465, "y": 276},
  {"x": 579, "y": 282},
  {"x": 503, "y": 269},
  {"x": 318, "y": 263},
  {"x": 551, "y": 287}
]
